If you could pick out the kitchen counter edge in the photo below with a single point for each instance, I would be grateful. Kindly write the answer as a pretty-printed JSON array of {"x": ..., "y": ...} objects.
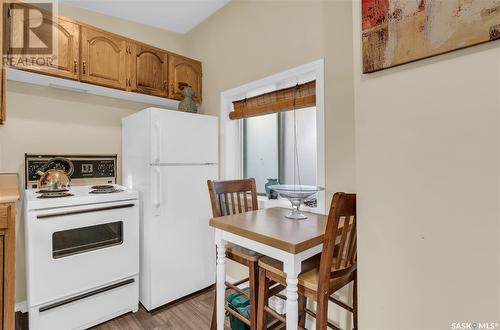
[{"x": 9, "y": 188}]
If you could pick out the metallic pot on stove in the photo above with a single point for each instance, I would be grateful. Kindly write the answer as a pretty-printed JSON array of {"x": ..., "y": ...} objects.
[{"x": 55, "y": 174}]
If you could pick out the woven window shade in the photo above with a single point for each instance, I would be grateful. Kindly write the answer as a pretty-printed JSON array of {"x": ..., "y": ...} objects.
[{"x": 296, "y": 97}]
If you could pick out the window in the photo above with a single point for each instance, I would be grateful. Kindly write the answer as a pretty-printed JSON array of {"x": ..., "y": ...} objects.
[{"x": 269, "y": 148}]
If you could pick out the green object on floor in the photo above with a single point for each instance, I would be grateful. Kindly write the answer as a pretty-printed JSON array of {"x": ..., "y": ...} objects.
[{"x": 241, "y": 305}]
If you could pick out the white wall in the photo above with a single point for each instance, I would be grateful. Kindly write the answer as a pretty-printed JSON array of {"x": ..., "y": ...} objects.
[
  {"x": 171, "y": 41},
  {"x": 427, "y": 166},
  {"x": 250, "y": 40}
]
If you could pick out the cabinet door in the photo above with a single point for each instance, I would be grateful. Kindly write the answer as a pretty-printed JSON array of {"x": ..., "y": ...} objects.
[
  {"x": 103, "y": 58},
  {"x": 64, "y": 33},
  {"x": 2, "y": 249},
  {"x": 149, "y": 71},
  {"x": 7, "y": 268},
  {"x": 184, "y": 70}
]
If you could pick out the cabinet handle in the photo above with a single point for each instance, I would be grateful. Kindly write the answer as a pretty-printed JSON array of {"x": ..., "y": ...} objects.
[
  {"x": 84, "y": 67},
  {"x": 75, "y": 66},
  {"x": 172, "y": 89}
]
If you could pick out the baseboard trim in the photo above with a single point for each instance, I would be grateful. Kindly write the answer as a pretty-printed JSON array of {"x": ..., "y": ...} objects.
[{"x": 21, "y": 306}]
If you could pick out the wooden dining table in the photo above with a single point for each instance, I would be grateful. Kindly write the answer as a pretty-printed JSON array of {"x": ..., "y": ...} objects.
[{"x": 268, "y": 232}]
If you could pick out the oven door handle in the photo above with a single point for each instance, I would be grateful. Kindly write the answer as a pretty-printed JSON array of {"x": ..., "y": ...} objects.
[
  {"x": 86, "y": 295},
  {"x": 97, "y": 209}
]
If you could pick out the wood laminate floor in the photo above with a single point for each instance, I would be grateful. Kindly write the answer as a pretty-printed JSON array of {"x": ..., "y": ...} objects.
[{"x": 193, "y": 313}]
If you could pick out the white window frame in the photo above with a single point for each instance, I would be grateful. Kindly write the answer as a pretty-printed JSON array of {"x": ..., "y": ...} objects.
[{"x": 231, "y": 131}]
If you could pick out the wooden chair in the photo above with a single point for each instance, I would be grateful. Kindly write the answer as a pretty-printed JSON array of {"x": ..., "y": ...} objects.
[
  {"x": 231, "y": 197},
  {"x": 337, "y": 268}
]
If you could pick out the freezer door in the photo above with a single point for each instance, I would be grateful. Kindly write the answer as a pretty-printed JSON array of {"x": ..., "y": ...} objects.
[
  {"x": 183, "y": 138},
  {"x": 180, "y": 243}
]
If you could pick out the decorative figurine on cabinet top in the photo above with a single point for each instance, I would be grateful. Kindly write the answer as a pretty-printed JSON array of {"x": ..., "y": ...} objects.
[{"x": 187, "y": 104}]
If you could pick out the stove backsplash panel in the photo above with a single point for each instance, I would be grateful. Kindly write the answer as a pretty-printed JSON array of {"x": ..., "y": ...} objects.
[{"x": 88, "y": 169}]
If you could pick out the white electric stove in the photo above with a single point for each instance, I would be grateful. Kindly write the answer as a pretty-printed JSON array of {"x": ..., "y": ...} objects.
[{"x": 82, "y": 254}]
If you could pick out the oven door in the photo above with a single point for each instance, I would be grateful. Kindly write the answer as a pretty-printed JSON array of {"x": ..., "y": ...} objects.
[{"x": 74, "y": 249}]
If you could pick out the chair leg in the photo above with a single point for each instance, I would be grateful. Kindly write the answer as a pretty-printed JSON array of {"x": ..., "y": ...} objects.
[
  {"x": 254, "y": 286},
  {"x": 263, "y": 300},
  {"x": 213, "y": 323},
  {"x": 355, "y": 301},
  {"x": 322, "y": 311},
  {"x": 302, "y": 310}
]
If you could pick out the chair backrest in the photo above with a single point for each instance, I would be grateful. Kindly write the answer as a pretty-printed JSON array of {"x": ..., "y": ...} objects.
[
  {"x": 338, "y": 257},
  {"x": 231, "y": 197}
]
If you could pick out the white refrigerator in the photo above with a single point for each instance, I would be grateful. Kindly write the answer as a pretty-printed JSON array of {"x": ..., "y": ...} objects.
[{"x": 168, "y": 156}]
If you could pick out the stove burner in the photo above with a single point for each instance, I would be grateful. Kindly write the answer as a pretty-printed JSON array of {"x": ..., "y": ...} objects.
[
  {"x": 55, "y": 195},
  {"x": 103, "y": 187},
  {"x": 45, "y": 191},
  {"x": 105, "y": 191}
]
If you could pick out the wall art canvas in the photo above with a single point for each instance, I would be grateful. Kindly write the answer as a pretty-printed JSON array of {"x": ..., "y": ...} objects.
[{"x": 401, "y": 31}]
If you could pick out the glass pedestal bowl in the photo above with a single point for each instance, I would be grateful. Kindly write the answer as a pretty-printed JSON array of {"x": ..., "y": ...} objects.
[{"x": 296, "y": 194}]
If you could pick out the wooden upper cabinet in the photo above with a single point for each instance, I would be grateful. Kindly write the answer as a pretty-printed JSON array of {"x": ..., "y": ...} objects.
[
  {"x": 103, "y": 58},
  {"x": 148, "y": 70},
  {"x": 67, "y": 48},
  {"x": 88, "y": 54},
  {"x": 184, "y": 70},
  {"x": 64, "y": 33}
]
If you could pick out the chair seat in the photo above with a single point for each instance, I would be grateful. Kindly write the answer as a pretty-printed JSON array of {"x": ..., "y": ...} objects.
[
  {"x": 241, "y": 252},
  {"x": 309, "y": 277}
]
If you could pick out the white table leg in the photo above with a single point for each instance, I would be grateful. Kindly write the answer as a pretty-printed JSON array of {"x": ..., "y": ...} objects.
[
  {"x": 221, "y": 278},
  {"x": 292, "y": 270}
]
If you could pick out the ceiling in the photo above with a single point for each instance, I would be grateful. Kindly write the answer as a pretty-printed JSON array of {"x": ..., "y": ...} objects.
[{"x": 172, "y": 15}]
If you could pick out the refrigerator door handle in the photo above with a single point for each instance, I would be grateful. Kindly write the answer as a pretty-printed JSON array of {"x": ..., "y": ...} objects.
[
  {"x": 157, "y": 191},
  {"x": 157, "y": 149}
]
